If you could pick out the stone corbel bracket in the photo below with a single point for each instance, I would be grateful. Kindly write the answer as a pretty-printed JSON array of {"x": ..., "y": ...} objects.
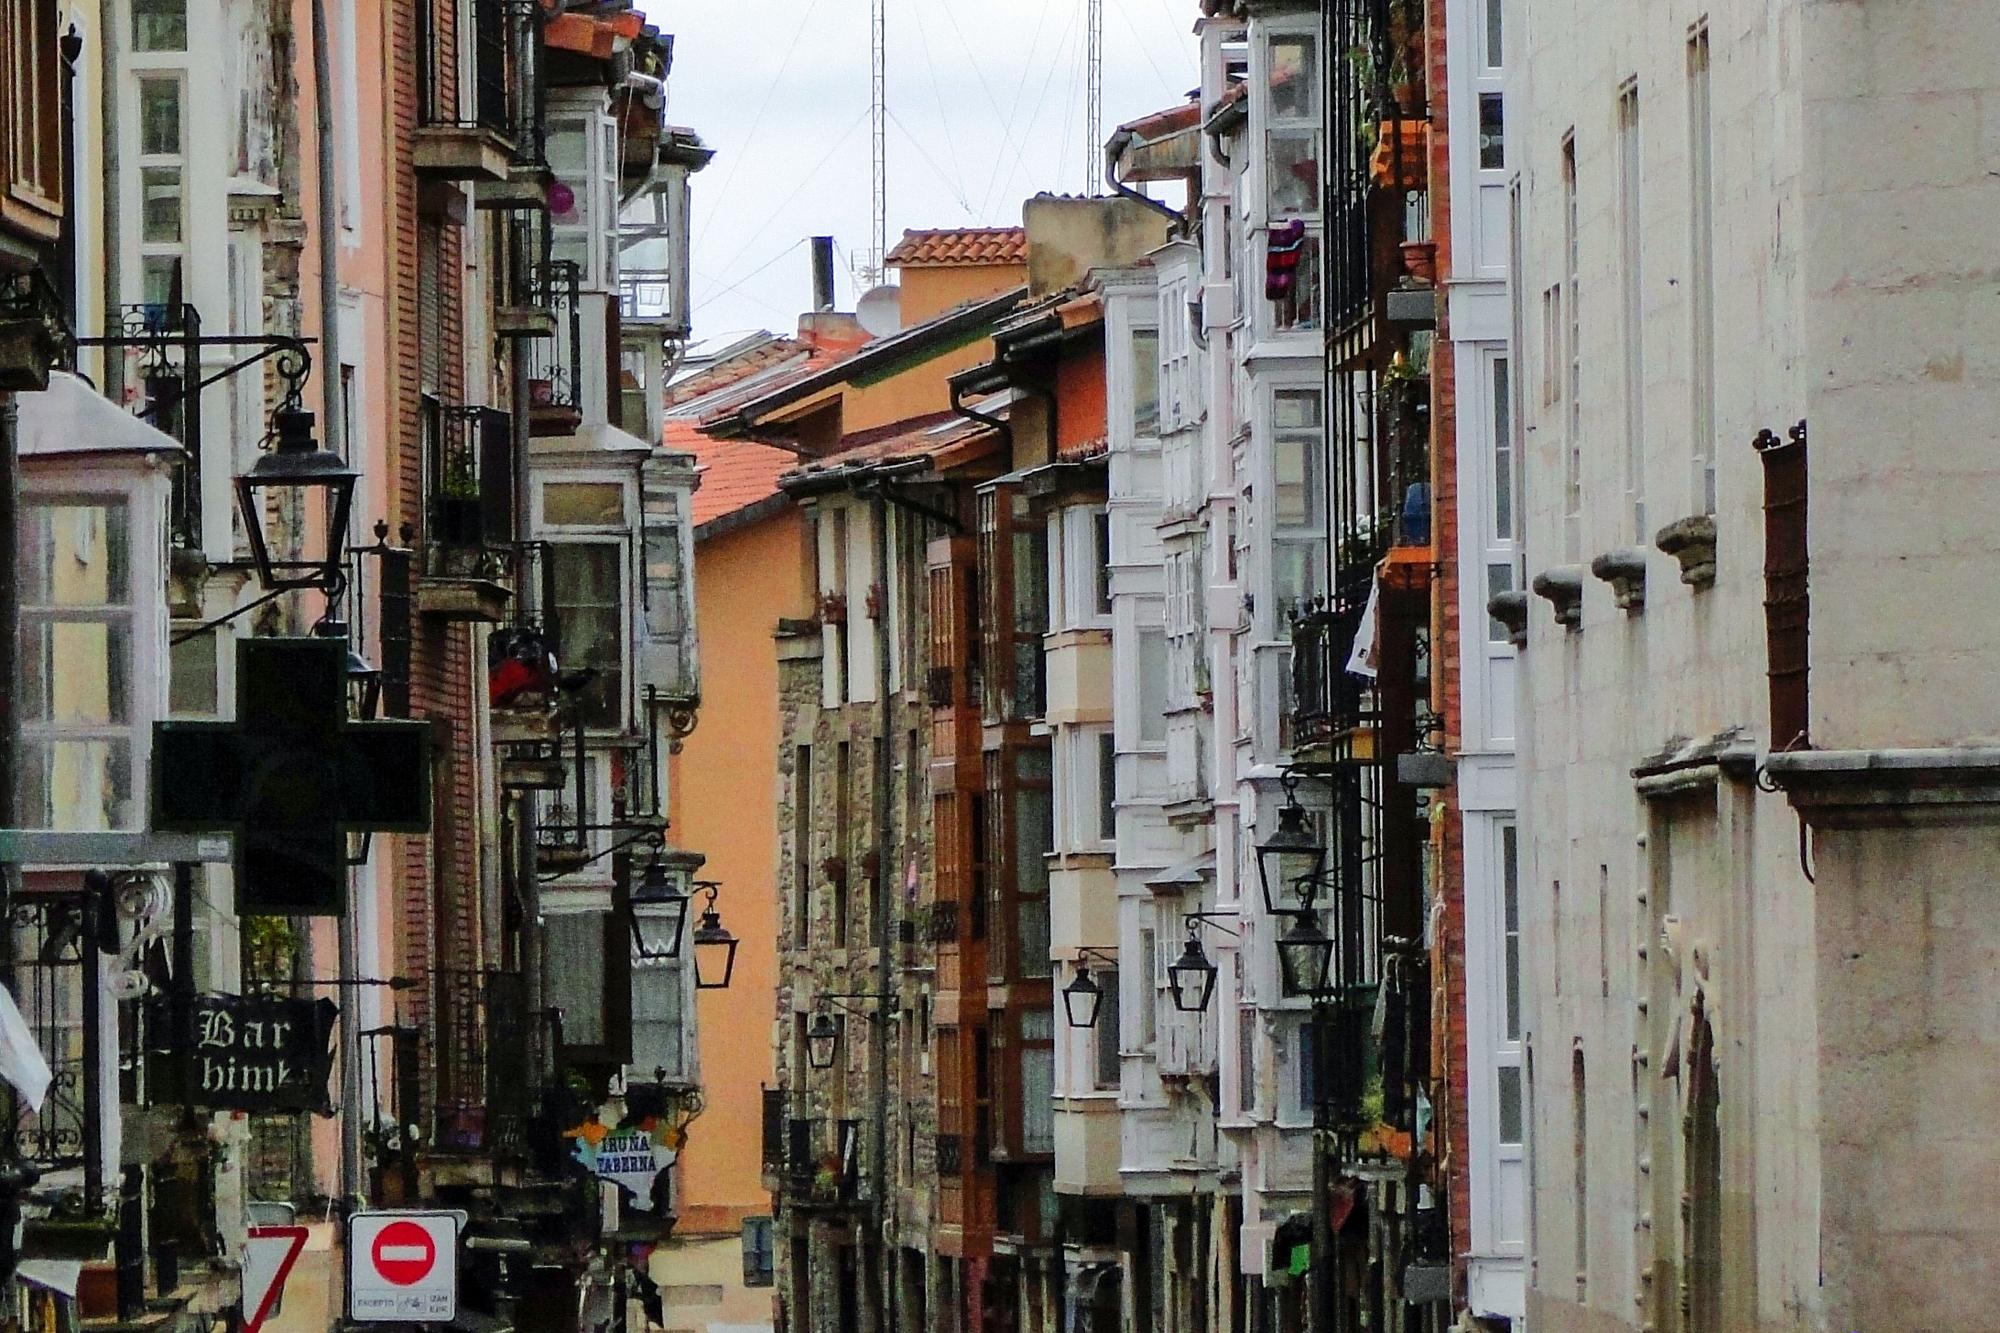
[
  {"x": 1562, "y": 586},
  {"x": 1692, "y": 542},
  {"x": 1511, "y": 610},
  {"x": 1625, "y": 571}
]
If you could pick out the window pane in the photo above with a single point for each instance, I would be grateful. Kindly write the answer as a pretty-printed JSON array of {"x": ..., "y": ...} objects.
[
  {"x": 191, "y": 691},
  {"x": 586, "y": 503},
  {"x": 1499, "y": 579},
  {"x": 1510, "y": 1104},
  {"x": 1495, "y": 47},
  {"x": 75, "y": 555},
  {"x": 1246, "y": 1060},
  {"x": 1293, "y": 173},
  {"x": 159, "y": 25},
  {"x": 1101, "y": 575},
  {"x": 1492, "y": 132},
  {"x": 592, "y": 625},
  {"x": 1107, "y": 786},
  {"x": 160, "y": 116},
  {"x": 657, "y": 1021},
  {"x": 1038, "y": 1085},
  {"x": 1152, "y": 687},
  {"x": 160, "y": 279},
  {"x": 77, "y": 784},
  {"x": 1293, "y": 91},
  {"x": 1148, "y": 995},
  {"x": 1107, "y": 1029},
  {"x": 160, "y": 205},
  {"x": 1296, "y": 409},
  {"x": 1291, "y": 497},
  {"x": 1145, "y": 381},
  {"x": 1511, "y": 881},
  {"x": 76, "y": 673},
  {"x": 573, "y": 974},
  {"x": 1503, "y": 452}
]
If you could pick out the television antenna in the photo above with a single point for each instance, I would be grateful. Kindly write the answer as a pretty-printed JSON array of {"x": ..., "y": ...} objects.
[{"x": 1093, "y": 99}]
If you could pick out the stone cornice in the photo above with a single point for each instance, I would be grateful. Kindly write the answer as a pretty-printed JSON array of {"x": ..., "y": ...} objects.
[{"x": 1856, "y": 789}]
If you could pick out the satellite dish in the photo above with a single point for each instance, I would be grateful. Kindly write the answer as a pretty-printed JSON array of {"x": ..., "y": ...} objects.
[{"x": 880, "y": 311}]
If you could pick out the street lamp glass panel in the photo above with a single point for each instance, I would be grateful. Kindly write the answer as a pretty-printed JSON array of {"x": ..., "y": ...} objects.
[
  {"x": 714, "y": 950},
  {"x": 822, "y": 1041},
  {"x": 1290, "y": 862},
  {"x": 659, "y": 914},
  {"x": 1082, "y": 998},
  {"x": 300, "y": 484},
  {"x": 1192, "y": 979},
  {"x": 1305, "y": 957}
]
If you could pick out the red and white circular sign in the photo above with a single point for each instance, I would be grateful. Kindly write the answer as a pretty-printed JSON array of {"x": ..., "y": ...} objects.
[{"x": 404, "y": 1253}]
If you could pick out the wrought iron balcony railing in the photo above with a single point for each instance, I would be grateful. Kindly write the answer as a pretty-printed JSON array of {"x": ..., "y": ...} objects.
[
  {"x": 555, "y": 365},
  {"x": 490, "y": 1064},
  {"x": 499, "y": 89}
]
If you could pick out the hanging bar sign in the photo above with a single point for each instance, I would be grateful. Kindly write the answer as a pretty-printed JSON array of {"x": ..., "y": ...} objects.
[{"x": 257, "y": 1053}]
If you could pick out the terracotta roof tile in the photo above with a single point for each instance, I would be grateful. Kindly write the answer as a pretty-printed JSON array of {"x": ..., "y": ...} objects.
[
  {"x": 962, "y": 246},
  {"x": 934, "y": 435},
  {"x": 735, "y": 474}
]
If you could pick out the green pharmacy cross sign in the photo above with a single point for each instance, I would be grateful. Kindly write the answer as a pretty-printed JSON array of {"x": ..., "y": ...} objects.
[{"x": 291, "y": 777}]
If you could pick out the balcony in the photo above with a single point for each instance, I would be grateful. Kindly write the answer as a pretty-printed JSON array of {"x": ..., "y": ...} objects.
[
  {"x": 467, "y": 556},
  {"x": 489, "y": 1062},
  {"x": 555, "y": 364},
  {"x": 477, "y": 120},
  {"x": 522, "y": 310}
]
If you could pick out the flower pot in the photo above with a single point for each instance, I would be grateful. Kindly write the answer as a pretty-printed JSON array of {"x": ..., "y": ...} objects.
[{"x": 1420, "y": 261}]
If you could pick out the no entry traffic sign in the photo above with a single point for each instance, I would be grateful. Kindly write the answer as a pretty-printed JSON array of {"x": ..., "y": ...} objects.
[
  {"x": 403, "y": 1266},
  {"x": 403, "y": 1253}
]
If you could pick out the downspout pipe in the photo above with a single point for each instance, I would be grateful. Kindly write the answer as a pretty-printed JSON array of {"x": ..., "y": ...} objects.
[
  {"x": 884, "y": 929},
  {"x": 1115, "y": 150},
  {"x": 998, "y": 425}
]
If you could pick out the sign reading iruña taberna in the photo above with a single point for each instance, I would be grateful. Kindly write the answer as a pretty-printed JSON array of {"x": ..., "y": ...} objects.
[{"x": 246, "y": 1052}]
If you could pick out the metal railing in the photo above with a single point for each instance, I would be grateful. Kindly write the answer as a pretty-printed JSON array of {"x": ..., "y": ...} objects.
[
  {"x": 490, "y": 1059},
  {"x": 555, "y": 365},
  {"x": 468, "y": 477},
  {"x": 476, "y": 93}
]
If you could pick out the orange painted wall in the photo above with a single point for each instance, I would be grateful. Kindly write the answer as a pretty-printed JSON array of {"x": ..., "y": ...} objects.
[
  {"x": 1080, "y": 398},
  {"x": 724, "y": 805},
  {"x": 929, "y": 292}
]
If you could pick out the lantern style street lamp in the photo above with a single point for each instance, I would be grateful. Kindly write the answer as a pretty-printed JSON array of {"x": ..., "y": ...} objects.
[
  {"x": 1192, "y": 977},
  {"x": 298, "y": 466},
  {"x": 1291, "y": 861},
  {"x": 1305, "y": 957},
  {"x": 822, "y": 1040},
  {"x": 659, "y": 911},
  {"x": 364, "y": 682},
  {"x": 1082, "y": 998},
  {"x": 714, "y": 946}
]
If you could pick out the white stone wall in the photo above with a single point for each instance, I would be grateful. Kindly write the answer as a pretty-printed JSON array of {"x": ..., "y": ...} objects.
[{"x": 1690, "y": 902}]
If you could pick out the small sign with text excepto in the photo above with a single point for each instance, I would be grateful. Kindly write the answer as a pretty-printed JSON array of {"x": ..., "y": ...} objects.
[{"x": 402, "y": 1267}]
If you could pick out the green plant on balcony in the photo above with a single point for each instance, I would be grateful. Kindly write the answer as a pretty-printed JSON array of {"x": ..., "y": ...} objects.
[{"x": 456, "y": 503}]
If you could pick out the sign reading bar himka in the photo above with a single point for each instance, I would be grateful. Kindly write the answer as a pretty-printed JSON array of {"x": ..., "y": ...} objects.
[{"x": 257, "y": 1053}]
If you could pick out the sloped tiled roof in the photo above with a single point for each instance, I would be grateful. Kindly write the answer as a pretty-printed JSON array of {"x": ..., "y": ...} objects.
[
  {"x": 735, "y": 474},
  {"x": 935, "y": 436},
  {"x": 970, "y": 247}
]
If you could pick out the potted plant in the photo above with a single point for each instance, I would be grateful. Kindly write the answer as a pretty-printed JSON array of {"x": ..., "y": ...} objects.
[
  {"x": 455, "y": 506},
  {"x": 1420, "y": 261}
]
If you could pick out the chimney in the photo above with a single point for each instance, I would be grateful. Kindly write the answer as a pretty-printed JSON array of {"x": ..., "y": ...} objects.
[{"x": 822, "y": 248}]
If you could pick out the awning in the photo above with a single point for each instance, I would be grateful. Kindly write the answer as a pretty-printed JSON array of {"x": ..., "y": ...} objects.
[{"x": 71, "y": 418}]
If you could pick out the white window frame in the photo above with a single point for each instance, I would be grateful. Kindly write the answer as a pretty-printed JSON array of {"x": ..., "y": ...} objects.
[
  {"x": 1308, "y": 535},
  {"x": 143, "y": 611},
  {"x": 1264, "y": 123},
  {"x": 624, "y": 535}
]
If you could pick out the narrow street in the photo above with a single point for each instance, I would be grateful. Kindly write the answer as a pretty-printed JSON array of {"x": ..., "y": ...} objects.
[{"x": 1041, "y": 666}]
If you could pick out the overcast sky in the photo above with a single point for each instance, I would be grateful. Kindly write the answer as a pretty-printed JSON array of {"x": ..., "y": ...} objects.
[{"x": 986, "y": 107}]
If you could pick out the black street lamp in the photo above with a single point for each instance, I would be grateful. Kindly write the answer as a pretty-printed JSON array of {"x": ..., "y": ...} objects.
[
  {"x": 298, "y": 466},
  {"x": 714, "y": 946},
  {"x": 1192, "y": 977},
  {"x": 364, "y": 681},
  {"x": 822, "y": 1040},
  {"x": 659, "y": 910},
  {"x": 1082, "y": 998},
  {"x": 1292, "y": 860},
  {"x": 1305, "y": 957}
]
